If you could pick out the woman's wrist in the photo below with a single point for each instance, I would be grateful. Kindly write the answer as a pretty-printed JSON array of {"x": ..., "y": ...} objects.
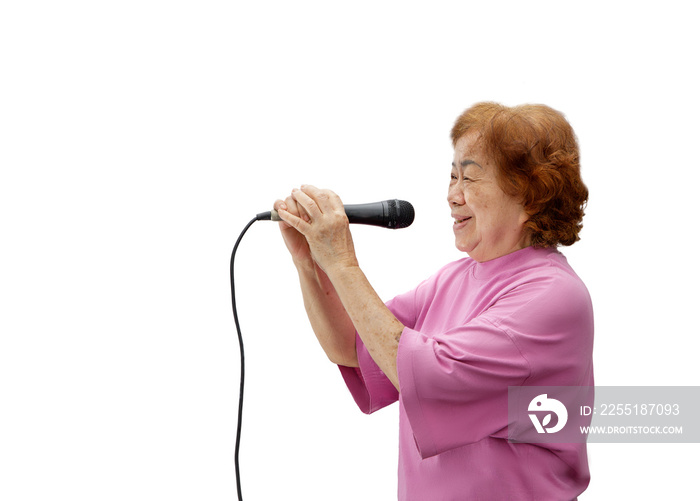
[
  {"x": 342, "y": 267},
  {"x": 305, "y": 265},
  {"x": 309, "y": 270}
]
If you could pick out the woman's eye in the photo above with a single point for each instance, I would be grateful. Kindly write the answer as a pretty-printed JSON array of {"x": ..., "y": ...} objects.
[{"x": 453, "y": 177}]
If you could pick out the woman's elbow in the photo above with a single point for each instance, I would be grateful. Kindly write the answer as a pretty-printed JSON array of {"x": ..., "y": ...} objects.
[{"x": 344, "y": 359}]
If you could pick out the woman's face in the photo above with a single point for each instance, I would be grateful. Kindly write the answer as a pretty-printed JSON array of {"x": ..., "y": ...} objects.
[{"x": 488, "y": 222}]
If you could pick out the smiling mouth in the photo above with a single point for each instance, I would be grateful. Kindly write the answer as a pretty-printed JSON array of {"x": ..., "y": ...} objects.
[{"x": 458, "y": 221}]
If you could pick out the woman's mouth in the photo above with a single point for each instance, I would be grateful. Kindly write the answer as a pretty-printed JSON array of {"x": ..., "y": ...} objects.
[{"x": 460, "y": 222}]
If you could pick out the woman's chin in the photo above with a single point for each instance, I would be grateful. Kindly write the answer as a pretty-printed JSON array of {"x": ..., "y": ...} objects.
[{"x": 465, "y": 247}]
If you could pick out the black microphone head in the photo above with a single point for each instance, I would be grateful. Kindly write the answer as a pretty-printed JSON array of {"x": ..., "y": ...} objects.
[{"x": 401, "y": 214}]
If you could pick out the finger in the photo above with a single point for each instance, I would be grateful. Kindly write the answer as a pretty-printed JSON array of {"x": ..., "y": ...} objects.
[
  {"x": 279, "y": 206},
  {"x": 294, "y": 221},
  {"x": 294, "y": 208},
  {"x": 326, "y": 200},
  {"x": 307, "y": 203},
  {"x": 289, "y": 204}
]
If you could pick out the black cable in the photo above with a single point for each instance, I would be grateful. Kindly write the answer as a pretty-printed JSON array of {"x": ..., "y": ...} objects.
[{"x": 240, "y": 345}]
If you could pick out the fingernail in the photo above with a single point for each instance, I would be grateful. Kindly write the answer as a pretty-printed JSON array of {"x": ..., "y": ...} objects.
[{"x": 283, "y": 206}]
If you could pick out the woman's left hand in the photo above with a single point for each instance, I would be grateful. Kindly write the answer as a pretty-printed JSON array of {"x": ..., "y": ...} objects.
[{"x": 327, "y": 230}]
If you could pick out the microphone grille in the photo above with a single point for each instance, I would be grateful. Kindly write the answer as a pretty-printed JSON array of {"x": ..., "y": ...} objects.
[{"x": 401, "y": 214}]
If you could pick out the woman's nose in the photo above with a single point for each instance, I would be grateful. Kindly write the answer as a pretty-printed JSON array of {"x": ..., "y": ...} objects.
[{"x": 455, "y": 195}]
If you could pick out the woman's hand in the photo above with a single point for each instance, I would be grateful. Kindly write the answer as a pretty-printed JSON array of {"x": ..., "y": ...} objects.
[
  {"x": 319, "y": 217},
  {"x": 338, "y": 298},
  {"x": 295, "y": 241}
]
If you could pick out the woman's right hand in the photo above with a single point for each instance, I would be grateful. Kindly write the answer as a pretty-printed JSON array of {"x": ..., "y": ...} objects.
[
  {"x": 329, "y": 320},
  {"x": 295, "y": 241}
]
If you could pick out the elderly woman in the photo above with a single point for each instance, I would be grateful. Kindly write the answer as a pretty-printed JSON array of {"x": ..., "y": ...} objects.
[{"x": 513, "y": 313}]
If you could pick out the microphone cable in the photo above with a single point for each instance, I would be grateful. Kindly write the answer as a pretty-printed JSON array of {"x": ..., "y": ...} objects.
[
  {"x": 240, "y": 345},
  {"x": 388, "y": 214}
]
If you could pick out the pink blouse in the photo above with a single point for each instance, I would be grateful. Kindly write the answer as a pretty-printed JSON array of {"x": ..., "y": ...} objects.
[{"x": 471, "y": 331}]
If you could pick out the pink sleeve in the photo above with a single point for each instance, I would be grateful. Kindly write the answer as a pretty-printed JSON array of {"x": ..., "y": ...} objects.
[
  {"x": 368, "y": 385},
  {"x": 454, "y": 384}
]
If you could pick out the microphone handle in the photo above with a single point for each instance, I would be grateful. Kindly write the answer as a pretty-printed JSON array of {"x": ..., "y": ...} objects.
[
  {"x": 357, "y": 214},
  {"x": 376, "y": 213}
]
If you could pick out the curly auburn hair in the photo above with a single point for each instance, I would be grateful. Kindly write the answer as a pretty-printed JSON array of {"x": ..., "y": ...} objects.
[{"x": 537, "y": 155}]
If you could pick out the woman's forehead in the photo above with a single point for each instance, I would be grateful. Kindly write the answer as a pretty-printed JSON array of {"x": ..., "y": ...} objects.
[{"x": 468, "y": 151}]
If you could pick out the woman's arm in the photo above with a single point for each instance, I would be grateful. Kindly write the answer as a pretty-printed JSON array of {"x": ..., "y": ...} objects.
[
  {"x": 378, "y": 328},
  {"x": 329, "y": 320},
  {"x": 326, "y": 230}
]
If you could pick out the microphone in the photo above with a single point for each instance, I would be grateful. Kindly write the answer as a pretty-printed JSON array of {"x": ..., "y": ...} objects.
[{"x": 392, "y": 214}]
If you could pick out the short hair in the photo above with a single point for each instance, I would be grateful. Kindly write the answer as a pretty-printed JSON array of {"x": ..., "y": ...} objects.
[{"x": 537, "y": 155}]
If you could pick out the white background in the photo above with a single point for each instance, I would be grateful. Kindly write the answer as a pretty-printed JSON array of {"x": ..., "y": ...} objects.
[{"x": 137, "y": 138}]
